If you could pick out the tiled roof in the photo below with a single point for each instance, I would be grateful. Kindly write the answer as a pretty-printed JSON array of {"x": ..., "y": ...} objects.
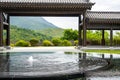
[
  {"x": 45, "y": 4},
  {"x": 46, "y": 1},
  {"x": 104, "y": 17}
]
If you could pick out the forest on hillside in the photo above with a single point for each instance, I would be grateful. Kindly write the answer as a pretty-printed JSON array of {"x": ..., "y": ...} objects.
[
  {"x": 17, "y": 34},
  {"x": 69, "y": 37}
]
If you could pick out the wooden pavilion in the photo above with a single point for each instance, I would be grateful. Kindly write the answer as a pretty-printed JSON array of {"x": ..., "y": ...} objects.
[
  {"x": 103, "y": 21},
  {"x": 41, "y": 8}
]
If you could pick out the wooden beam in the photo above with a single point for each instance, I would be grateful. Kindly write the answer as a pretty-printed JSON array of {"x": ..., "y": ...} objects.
[
  {"x": 95, "y": 26},
  {"x": 1, "y": 29},
  {"x": 44, "y": 13}
]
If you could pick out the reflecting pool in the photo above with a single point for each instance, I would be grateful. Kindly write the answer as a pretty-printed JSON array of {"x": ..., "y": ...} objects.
[
  {"x": 113, "y": 73},
  {"x": 53, "y": 64}
]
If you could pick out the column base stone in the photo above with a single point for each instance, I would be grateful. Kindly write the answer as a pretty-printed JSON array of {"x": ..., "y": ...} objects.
[
  {"x": 2, "y": 49},
  {"x": 8, "y": 47}
]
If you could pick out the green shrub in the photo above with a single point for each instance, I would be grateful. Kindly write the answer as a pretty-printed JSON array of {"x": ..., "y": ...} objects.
[
  {"x": 66, "y": 43},
  {"x": 75, "y": 42},
  {"x": 47, "y": 43},
  {"x": 12, "y": 45},
  {"x": 22, "y": 43},
  {"x": 56, "y": 41},
  {"x": 34, "y": 42}
]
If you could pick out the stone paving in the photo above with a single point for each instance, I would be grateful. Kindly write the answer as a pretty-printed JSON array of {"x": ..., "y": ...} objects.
[
  {"x": 42, "y": 49},
  {"x": 65, "y": 48},
  {"x": 100, "y": 47}
]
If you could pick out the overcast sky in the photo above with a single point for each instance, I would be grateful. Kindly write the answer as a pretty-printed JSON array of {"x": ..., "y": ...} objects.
[
  {"x": 106, "y": 5},
  {"x": 72, "y": 22}
]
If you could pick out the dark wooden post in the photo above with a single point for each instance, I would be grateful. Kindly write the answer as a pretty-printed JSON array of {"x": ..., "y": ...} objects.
[
  {"x": 79, "y": 32},
  {"x": 103, "y": 56},
  {"x": 111, "y": 57},
  {"x": 1, "y": 29},
  {"x": 103, "y": 38},
  {"x": 8, "y": 31},
  {"x": 84, "y": 55},
  {"x": 80, "y": 55},
  {"x": 111, "y": 36},
  {"x": 84, "y": 29}
]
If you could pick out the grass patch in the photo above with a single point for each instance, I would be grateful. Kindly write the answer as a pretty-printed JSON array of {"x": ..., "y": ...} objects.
[{"x": 104, "y": 51}]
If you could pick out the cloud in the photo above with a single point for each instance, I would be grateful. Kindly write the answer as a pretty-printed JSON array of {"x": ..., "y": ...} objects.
[
  {"x": 64, "y": 22},
  {"x": 106, "y": 5}
]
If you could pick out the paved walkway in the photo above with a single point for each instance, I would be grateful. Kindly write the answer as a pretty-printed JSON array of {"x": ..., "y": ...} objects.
[
  {"x": 43, "y": 49},
  {"x": 100, "y": 47},
  {"x": 52, "y": 49}
]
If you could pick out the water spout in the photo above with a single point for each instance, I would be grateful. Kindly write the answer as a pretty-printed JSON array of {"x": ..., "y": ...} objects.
[{"x": 31, "y": 59}]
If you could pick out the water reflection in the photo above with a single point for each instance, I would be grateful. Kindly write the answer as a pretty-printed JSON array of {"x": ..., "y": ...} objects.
[
  {"x": 57, "y": 61},
  {"x": 83, "y": 78},
  {"x": 4, "y": 62},
  {"x": 110, "y": 73},
  {"x": 44, "y": 62}
]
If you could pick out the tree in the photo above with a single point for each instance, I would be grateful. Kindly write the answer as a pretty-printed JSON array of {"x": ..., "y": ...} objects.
[
  {"x": 94, "y": 37},
  {"x": 116, "y": 40},
  {"x": 34, "y": 42},
  {"x": 66, "y": 43},
  {"x": 47, "y": 43},
  {"x": 56, "y": 41},
  {"x": 22, "y": 43},
  {"x": 70, "y": 34}
]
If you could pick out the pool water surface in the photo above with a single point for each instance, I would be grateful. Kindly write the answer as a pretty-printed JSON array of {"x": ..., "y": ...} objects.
[{"x": 46, "y": 63}]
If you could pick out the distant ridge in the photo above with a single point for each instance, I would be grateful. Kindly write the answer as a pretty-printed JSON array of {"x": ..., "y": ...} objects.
[
  {"x": 33, "y": 23},
  {"x": 38, "y": 24}
]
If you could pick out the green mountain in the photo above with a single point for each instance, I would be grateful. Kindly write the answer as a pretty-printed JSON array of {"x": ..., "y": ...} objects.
[
  {"x": 33, "y": 23},
  {"x": 39, "y": 24},
  {"x": 53, "y": 32},
  {"x": 25, "y": 34}
]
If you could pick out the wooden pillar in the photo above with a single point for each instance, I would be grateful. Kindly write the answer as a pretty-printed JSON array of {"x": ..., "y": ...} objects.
[
  {"x": 111, "y": 36},
  {"x": 84, "y": 29},
  {"x": 1, "y": 29},
  {"x": 111, "y": 57},
  {"x": 79, "y": 55},
  {"x": 103, "y": 56},
  {"x": 8, "y": 31},
  {"x": 103, "y": 37},
  {"x": 79, "y": 32},
  {"x": 84, "y": 55}
]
